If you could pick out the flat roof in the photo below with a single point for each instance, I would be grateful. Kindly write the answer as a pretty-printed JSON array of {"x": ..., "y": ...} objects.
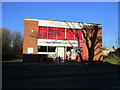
[{"x": 61, "y": 21}]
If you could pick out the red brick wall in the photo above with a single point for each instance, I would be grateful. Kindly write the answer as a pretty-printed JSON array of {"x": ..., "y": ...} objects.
[
  {"x": 97, "y": 47},
  {"x": 30, "y": 38}
]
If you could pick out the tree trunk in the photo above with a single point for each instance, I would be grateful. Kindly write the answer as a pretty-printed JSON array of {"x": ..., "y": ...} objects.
[
  {"x": 80, "y": 55},
  {"x": 91, "y": 53}
]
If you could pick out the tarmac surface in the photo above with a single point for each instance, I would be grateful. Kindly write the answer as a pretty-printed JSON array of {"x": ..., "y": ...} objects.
[{"x": 70, "y": 75}]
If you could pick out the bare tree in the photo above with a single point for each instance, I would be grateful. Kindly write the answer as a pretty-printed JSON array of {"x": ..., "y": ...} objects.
[
  {"x": 6, "y": 43},
  {"x": 17, "y": 41},
  {"x": 92, "y": 37},
  {"x": 11, "y": 44},
  {"x": 93, "y": 40},
  {"x": 74, "y": 31}
]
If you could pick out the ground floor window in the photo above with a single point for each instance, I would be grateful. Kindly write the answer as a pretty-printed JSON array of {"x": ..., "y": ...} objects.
[
  {"x": 51, "y": 49},
  {"x": 46, "y": 49},
  {"x": 42, "y": 49},
  {"x": 69, "y": 48}
]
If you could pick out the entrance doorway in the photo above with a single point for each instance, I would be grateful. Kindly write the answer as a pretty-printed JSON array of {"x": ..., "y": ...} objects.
[{"x": 61, "y": 53}]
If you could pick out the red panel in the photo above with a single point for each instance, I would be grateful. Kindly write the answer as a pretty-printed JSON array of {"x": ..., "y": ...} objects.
[
  {"x": 42, "y": 34},
  {"x": 70, "y": 34},
  {"x": 51, "y": 33},
  {"x": 81, "y": 43},
  {"x": 61, "y": 34},
  {"x": 78, "y": 34}
]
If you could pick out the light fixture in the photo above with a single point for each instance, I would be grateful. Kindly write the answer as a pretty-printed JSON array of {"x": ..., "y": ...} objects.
[{"x": 32, "y": 30}]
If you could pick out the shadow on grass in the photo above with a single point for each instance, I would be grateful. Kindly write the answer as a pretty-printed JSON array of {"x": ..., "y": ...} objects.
[{"x": 83, "y": 63}]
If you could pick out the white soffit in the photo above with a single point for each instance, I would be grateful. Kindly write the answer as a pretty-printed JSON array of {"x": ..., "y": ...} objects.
[{"x": 60, "y": 24}]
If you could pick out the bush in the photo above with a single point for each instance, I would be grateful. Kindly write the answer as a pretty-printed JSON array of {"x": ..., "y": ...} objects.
[
  {"x": 113, "y": 55},
  {"x": 117, "y": 53}
]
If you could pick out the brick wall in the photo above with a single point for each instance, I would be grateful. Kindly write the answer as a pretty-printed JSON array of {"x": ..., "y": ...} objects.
[
  {"x": 30, "y": 36},
  {"x": 98, "y": 41}
]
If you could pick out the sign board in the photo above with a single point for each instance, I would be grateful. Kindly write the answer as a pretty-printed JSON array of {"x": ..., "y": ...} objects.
[
  {"x": 30, "y": 50},
  {"x": 51, "y": 42}
]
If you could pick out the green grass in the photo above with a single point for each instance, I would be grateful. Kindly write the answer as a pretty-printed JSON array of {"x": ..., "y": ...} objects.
[
  {"x": 18, "y": 60},
  {"x": 112, "y": 61},
  {"x": 106, "y": 60}
]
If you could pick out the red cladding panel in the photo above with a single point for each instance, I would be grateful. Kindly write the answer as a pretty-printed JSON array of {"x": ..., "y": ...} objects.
[
  {"x": 42, "y": 34},
  {"x": 51, "y": 33},
  {"x": 78, "y": 34},
  {"x": 70, "y": 34},
  {"x": 81, "y": 43},
  {"x": 61, "y": 33}
]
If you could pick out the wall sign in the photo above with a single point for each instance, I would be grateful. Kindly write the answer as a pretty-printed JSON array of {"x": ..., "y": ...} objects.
[
  {"x": 51, "y": 42},
  {"x": 30, "y": 50}
]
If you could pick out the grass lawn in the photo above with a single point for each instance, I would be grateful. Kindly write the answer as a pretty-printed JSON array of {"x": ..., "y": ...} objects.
[
  {"x": 112, "y": 61},
  {"x": 18, "y": 60}
]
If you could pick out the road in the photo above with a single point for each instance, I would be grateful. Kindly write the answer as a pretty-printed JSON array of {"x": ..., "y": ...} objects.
[{"x": 60, "y": 76}]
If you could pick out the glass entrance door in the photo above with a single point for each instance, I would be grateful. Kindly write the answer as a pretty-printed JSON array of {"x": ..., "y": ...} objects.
[{"x": 61, "y": 53}]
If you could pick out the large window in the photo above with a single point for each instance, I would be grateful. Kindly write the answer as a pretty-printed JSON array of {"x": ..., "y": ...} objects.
[
  {"x": 46, "y": 49},
  {"x": 42, "y": 49},
  {"x": 51, "y": 49}
]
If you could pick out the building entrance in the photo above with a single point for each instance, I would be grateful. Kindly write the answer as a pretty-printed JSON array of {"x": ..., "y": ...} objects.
[{"x": 60, "y": 53}]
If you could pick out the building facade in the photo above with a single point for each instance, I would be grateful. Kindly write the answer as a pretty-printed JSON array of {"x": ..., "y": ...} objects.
[{"x": 60, "y": 39}]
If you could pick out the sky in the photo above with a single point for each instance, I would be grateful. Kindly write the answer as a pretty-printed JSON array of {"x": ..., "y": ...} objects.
[{"x": 105, "y": 13}]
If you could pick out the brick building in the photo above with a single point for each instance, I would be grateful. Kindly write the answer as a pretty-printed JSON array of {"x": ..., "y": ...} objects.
[{"x": 54, "y": 39}]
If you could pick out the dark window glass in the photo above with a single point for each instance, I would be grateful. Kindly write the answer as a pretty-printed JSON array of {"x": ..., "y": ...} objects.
[
  {"x": 69, "y": 48},
  {"x": 42, "y": 49},
  {"x": 51, "y": 49}
]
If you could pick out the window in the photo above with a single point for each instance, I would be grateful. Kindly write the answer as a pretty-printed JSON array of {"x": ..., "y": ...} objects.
[
  {"x": 42, "y": 49},
  {"x": 46, "y": 49},
  {"x": 69, "y": 48},
  {"x": 51, "y": 49}
]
